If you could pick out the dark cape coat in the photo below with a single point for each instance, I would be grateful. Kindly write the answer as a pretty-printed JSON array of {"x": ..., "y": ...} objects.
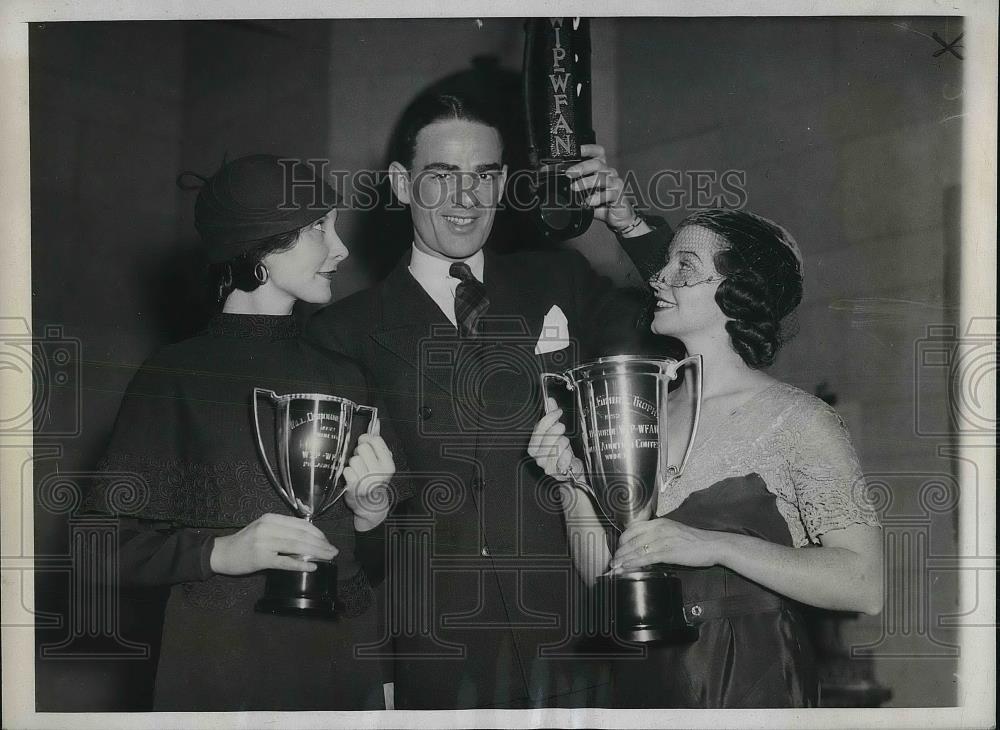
[{"x": 185, "y": 435}]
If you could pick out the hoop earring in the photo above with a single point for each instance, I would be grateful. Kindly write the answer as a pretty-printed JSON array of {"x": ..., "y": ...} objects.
[{"x": 260, "y": 274}]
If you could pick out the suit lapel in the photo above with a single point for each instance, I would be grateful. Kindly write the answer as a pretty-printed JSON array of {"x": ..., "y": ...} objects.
[{"x": 408, "y": 317}]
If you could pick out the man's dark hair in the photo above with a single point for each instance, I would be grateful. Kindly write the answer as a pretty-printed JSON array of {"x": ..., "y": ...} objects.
[{"x": 426, "y": 110}]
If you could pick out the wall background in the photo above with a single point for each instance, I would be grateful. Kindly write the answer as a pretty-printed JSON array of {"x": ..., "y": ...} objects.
[{"x": 847, "y": 131}]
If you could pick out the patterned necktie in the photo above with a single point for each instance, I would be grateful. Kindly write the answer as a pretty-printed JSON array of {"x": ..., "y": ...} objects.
[{"x": 471, "y": 301}]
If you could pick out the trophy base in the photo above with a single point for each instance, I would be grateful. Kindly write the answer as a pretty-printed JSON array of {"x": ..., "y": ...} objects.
[
  {"x": 301, "y": 593},
  {"x": 315, "y": 608},
  {"x": 646, "y": 606},
  {"x": 677, "y": 635}
]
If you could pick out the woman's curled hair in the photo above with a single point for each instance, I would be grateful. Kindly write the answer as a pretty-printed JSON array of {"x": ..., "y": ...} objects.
[{"x": 762, "y": 282}]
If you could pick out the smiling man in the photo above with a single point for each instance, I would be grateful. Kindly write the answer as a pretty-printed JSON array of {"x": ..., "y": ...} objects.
[
  {"x": 481, "y": 608},
  {"x": 456, "y": 181}
]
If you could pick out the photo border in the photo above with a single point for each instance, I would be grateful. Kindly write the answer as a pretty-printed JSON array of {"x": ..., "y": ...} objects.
[{"x": 976, "y": 673}]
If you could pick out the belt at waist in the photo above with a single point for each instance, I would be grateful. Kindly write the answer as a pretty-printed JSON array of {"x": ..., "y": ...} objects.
[{"x": 697, "y": 612}]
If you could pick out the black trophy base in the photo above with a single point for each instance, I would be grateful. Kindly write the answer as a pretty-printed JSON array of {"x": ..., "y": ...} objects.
[
  {"x": 646, "y": 606},
  {"x": 306, "y": 594}
]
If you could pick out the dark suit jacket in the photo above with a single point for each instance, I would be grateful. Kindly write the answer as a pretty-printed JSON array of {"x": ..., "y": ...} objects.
[{"x": 483, "y": 597}]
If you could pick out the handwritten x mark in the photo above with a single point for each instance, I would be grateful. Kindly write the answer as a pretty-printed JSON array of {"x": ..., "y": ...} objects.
[{"x": 951, "y": 48}]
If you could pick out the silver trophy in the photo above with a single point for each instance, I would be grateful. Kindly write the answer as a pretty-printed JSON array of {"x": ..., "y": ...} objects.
[
  {"x": 620, "y": 407},
  {"x": 313, "y": 435}
]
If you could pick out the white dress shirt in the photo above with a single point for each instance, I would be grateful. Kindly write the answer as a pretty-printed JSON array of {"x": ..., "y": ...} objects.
[{"x": 432, "y": 274}]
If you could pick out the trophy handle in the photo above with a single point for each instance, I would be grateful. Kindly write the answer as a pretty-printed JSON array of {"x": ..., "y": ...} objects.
[
  {"x": 577, "y": 480},
  {"x": 373, "y": 425},
  {"x": 272, "y": 396},
  {"x": 545, "y": 378},
  {"x": 671, "y": 372},
  {"x": 339, "y": 490}
]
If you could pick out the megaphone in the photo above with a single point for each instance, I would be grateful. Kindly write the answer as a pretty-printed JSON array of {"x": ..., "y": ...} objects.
[{"x": 557, "y": 108}]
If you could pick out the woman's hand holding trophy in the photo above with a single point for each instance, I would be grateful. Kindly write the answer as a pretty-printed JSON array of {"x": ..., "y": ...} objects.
[
  {"x": 367, "y": 477},
  {"x": 271, "y": 541},
  {"x": 282, "y": 542},
  {"x": 663, "y": 540}
]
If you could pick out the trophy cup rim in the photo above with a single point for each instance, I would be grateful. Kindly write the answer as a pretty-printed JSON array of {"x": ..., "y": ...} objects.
[
  {"x": 331, "y": 494},
  {"x": 659, "y": 362},
  {"x": 281, "y": 399}
]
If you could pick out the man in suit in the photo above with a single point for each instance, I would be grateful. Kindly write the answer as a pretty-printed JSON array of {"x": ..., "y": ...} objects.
[{"x": 483, "y": 597}]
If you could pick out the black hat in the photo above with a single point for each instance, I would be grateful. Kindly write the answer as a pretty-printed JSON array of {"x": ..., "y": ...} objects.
[{"x": 254, "y": 198}]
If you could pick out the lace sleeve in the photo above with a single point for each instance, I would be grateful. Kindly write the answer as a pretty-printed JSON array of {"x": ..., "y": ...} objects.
[{"x": 829, "y": 486}]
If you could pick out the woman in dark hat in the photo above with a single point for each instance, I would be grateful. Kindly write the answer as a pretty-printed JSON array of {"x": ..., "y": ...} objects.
[
  {"x": 772, "y": 472},
  {"x": 207, "y": 522}
]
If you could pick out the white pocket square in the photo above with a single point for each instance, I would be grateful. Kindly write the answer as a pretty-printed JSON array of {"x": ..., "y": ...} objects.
[{"x": 555, "y": 332}]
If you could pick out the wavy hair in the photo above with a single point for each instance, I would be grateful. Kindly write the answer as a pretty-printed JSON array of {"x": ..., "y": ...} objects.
[{"x": 762, "y": 284}]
